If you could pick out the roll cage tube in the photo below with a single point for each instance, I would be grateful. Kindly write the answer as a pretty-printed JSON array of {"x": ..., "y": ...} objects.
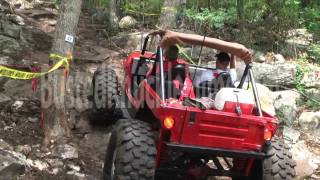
[
  {"x": 145, "y": 43},
  {"x": 144, "y": 47},
  {"x": 159, "y": 58},
  {"x": 248, "y": 71}
]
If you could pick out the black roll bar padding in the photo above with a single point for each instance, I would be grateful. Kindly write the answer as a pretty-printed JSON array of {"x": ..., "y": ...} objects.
[
  {"x": 244, "y": 76},
  {"x": 144, "y": 47}
]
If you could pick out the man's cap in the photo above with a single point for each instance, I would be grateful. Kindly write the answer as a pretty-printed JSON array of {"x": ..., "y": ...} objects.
[{"x": 223, "y": 57}]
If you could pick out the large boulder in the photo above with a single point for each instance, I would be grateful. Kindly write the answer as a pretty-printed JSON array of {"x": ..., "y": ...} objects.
[
  {"x": 279, "y": 74},
  {"x": 286, "y": 105},
  {"x": 313, "y": 93},
  {"x": 24, "y": 4},
  {"x": 12, "y": 164},
  {"x": 127, "y": 22},
  {"x": 66, "y": 151},
  {"x": 298, "y": 39},
  {"x": 36, "y": 39},
  {"x": 310, "y": 121},
  {"x": 10, "y": 47},
  {"x": 19, "y": 88},
  {"x": 306, "y": 161},
  {"x": 4, "y": 60},
  {"x": 10, "y": 30},
  {"x": 4, "y": 98},
  {"x": 311, "y": 78},
  {"x": 278, "y": 58},
  {"x": 267, "y": 99},
  {"x": 266, "y": 96},
  {"x": 259, "y": 57},
  {"x": 16, "y": 19},
  {"x": 291, "y": 136},
  {"x": 129, "y": 41}
]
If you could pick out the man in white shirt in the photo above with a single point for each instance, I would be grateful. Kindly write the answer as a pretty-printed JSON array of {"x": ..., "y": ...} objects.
[{"x": 222, "y": 63}]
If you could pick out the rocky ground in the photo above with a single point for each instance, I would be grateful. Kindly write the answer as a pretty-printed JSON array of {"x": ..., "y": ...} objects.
[{"x": 25, "y": 38}]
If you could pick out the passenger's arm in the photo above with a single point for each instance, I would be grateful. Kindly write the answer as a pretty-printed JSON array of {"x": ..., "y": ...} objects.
[{"x": 150, "y": 67}]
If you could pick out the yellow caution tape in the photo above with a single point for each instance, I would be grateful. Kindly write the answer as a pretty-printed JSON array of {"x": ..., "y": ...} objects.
[
  {"x": 24, "y": 75},
  {"x": 181, "y": 51},
  {"x": 168, "y": 9},
  {"x": 142, "y": 13},
  {"x": 163, "y": 10}
]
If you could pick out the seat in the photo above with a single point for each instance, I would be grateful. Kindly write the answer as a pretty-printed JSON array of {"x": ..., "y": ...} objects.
[
  {"x": 170, "y": 90},
  {"x": 179, "y": 73},
  {"x": 210, "y": 88},
  {"x": 138, "y": 71}
]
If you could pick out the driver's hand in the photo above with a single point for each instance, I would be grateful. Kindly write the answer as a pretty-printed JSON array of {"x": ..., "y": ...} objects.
[
  {"x": 244, "y": 53},
  {"x": 170, "y": 38}
]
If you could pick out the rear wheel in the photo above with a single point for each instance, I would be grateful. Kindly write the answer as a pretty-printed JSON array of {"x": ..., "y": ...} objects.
[
  {"x": 105, "y": 87},
  {"x": 279, "y": 163},
  {"x": 131, "y": 153}
]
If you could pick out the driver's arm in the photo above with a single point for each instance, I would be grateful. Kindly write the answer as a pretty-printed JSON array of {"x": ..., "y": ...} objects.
[{"x": 239, "y": 50}]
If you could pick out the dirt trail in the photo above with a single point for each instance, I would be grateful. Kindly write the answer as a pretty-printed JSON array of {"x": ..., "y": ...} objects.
[
  {"x": 22, "y": 125},
  {"x": 92, "y": 140}
]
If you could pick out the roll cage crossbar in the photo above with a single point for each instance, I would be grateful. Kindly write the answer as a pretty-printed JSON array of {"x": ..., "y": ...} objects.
[{"x": 248, "y": 73}]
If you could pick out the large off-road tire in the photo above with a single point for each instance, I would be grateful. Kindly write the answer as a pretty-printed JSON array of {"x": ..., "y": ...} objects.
[
  {"x": 105, "y": 87},
  {"x": 131, "y": 153},
  {"x": 278, "y": 164}
]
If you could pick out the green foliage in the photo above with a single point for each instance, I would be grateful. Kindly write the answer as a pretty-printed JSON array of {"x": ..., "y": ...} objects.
[
  {"x": 305, "y": 100},
  {"x": 146, "y": 10},
  {"x": 300, "y": 72},
  {"x": 314, "y": 53},
  {"x": 310, "y": 18},
  {"x": 214, "y": 19},
  {"x": 96, "y": 3},
  {"x": 253, "y": 22}
]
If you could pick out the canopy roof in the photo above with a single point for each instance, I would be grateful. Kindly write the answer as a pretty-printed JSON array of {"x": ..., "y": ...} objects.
[{"x": 171, "y": 38}]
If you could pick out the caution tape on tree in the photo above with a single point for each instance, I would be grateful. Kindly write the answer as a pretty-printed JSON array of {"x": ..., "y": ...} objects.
[
  {"x": 181, "y": 51},
  {"x": 163, "y": 10},
  {"x": 142, "y": 13},
  {"x": 24, "y": 75}
]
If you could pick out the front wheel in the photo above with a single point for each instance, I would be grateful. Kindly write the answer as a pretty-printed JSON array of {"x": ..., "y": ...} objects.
[{"x": 131, "y": 153}]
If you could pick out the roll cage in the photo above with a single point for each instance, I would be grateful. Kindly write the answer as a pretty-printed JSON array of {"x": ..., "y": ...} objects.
[{"x": 247, "y": 74}]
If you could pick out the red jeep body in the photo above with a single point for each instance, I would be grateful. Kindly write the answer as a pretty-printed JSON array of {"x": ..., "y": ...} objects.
[{"x": 202, "y": 132}]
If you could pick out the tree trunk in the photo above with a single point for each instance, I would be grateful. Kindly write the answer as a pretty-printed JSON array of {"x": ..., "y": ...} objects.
[
  {"x": 168, "y": 14},
  {"x": 53, "y": 86},
  {"x": 240, "y": 10},
  {"x": 113, "y": 16}
]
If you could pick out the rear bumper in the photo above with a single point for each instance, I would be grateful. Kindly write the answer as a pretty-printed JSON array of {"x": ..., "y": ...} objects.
[{"x": 214, "y": 151}]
